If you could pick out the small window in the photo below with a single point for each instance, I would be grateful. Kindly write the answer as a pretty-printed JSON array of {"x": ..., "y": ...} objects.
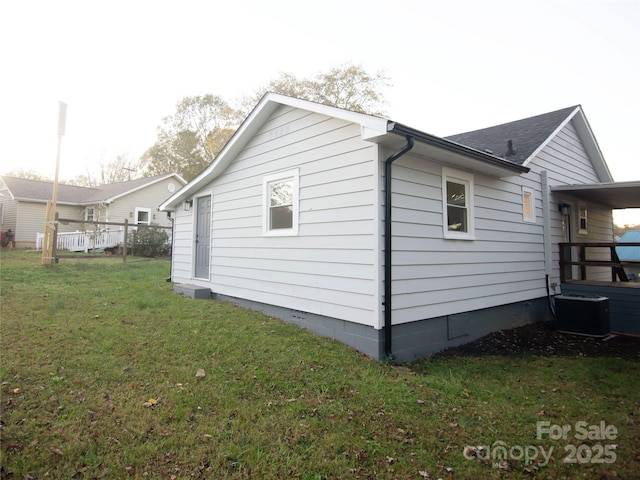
[
  {"x": 281, "y": 204},
  {"x": 582, "y": 220},
  {"x": 457, "y": 200},
  {"x": 143, "y": 216},
  {"x": 89, "y": 214},
  {"x": 528, "y": 208}
]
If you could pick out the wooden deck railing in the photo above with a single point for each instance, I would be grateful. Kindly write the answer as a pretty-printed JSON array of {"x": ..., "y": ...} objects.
[
  {"x": 84, "y": 241},
  {"x": 613, "y": 262}
]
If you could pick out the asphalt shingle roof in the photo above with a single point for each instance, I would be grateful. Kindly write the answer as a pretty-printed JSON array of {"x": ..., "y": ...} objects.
[
  {"x": 526, "y": 135},
  {"x": 35, "y": 190}
]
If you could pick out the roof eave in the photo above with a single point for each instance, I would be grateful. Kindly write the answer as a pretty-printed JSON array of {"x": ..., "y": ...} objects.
[
  {"x": 461, "y": 155},
  {"x": 140, "y": 187},
  {"x": 42, "y": 200},
  {"x": 588, "y": 139},
  {"x": 371, "y": 128},
  {"x": 592, "y": 147}
]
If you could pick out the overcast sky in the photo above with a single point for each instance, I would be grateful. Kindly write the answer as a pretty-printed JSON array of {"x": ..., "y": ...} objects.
[{"x": 122, "y": 66}]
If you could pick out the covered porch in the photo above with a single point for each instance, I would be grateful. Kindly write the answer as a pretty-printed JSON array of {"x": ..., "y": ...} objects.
[{"x": 594, "y": 269}]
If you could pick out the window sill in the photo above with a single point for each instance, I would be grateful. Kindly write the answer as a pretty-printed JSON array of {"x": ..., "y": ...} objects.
[
  {"x": 449, "y": 236},
  {"x": 284, "y": 233}
]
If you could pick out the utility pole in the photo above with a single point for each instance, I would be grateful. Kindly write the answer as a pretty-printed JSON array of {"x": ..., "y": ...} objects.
[
  {"x": 48, "y": 256},
  {"x": 129, "y": 170}
]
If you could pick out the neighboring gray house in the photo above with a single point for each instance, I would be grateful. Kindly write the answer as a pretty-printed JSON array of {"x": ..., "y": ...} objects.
[
  {"x": 23, "y": 204},
  {"x": 299, "y": 217}
]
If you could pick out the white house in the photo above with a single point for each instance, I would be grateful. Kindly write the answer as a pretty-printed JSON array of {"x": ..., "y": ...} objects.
[{"x": 295, "y": 217}]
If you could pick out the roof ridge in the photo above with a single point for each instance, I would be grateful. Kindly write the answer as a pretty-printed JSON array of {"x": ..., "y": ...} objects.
[{"x": 540, "y": 115}]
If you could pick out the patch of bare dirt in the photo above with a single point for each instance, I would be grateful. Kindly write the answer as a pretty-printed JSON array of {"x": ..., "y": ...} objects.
[{"x": 542, "y": 339}]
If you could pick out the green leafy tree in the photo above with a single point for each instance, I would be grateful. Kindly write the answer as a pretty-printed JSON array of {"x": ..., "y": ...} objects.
[
  {"x": 352, "y": 88},
  {"x": 348, "y": 86},
  {"x": 191, "y": 138}
]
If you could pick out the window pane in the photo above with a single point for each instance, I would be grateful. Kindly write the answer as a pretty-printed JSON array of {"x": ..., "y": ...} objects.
[
  {"x": 527, "y": 207},
  {"x": 282, "y": 193},
  {"x": 456, "y": 211},
  {"x": 143, "y": 217},
  {"x": 281, "y": 205},
  {"x": 456, "y": 194},
  {"x": 281, "y": 217},
  {"x": 457, "y": 219},
  {"x": 583, "y": 219}
]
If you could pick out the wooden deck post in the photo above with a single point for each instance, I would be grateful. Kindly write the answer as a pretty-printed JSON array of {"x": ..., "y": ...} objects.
[{"x": 563, "y": 277}]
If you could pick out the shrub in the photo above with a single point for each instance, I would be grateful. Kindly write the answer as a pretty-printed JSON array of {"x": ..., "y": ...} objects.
[{"x": 149, "y": 241}]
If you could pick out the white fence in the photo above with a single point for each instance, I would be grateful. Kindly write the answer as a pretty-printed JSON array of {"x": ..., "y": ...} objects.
[{"x": 85, "y": 241}]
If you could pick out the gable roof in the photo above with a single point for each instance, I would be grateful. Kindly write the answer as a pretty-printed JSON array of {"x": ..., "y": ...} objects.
[
  {"x": 530, "y": 135},
  {"x": 37, "y": 191},
  {"x": 374, "y": 129},
  {"x": 27, "y": 190},
  {"x": 629, "y": 253},
  {"x": 526, "y": 134}
]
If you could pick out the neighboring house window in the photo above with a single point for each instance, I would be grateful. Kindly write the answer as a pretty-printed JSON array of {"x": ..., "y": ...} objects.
[
  {"x": 281, "y": 203},
  {"x": 143, "y": 216},
  {"x": 1, "y": 213},
  {"x": 457, "y": 200},
  {"x": 528, "y": 207},
  {"x": 582, "y": 220},
  {"x": 90, "y": 214}
]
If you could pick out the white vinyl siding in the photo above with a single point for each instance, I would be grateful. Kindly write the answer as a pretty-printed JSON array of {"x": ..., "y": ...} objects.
[
  {"x": 434, "y": 276},
  {"x": 567, "y": 163},
  {"x": 183, "y": 244},
  {"x": 330, "y": 266}
]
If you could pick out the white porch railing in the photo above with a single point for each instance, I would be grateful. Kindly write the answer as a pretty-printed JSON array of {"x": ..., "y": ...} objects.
[{"x": 85, "y": 241}]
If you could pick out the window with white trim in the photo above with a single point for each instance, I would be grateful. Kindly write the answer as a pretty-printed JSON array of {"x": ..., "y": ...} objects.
[
  {"x": 143, "y": 216},
  {"x": 528, "y": 205},
  {"x": 280, "y": 215},
  {"x": 90, "y": 214},
  {"x": 457, "y": 201},
  {"x": 582, "y": 220}
]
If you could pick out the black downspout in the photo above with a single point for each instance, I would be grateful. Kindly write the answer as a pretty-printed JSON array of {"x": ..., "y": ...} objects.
[
  {"x": 387, "y": 245},
  {"x": 173, "y": 237}
]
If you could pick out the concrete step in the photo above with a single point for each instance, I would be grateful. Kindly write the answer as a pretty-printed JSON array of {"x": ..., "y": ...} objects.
[{"x": 192, "y": 291}]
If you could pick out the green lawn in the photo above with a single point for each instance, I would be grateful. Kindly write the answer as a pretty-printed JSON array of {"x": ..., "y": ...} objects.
[{"x": 98, "y": 372}]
